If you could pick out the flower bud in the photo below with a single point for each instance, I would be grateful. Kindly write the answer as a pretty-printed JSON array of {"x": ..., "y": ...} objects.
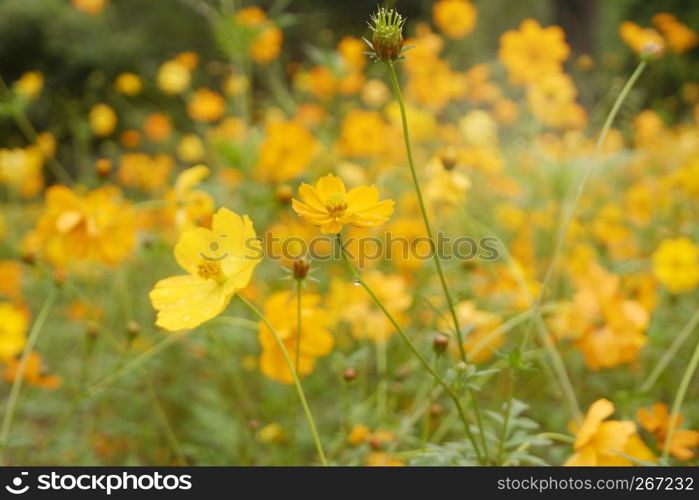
[
  {"x": 387, "y": 35},
  {"x": 349, "y": 374},
  {"x": 103, "y": 167},
  {"x": 440, "y": 343},
  {"x": 283, "y": 193},
  {"x": 300, "y": 268}
]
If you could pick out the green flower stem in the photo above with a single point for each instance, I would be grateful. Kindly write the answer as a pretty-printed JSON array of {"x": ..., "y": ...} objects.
[
  {"x": 670, "y": 353},
  {"x": 297, "y": 382},
  {"x": 428, "y": 228},
  {"x": 299, "y": 285},
  {"x": 423, "y": 209},
  {"x": 425, "y": 364},
  {"x": 679, "y": 399},
  {"x": 537, "y": 320},
  {"x": 21, "y": 369}
]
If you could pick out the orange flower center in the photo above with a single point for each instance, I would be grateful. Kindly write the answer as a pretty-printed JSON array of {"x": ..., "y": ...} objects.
[
  {"x": 209, "y": 270},
  {"x": 336, "y": 205}
]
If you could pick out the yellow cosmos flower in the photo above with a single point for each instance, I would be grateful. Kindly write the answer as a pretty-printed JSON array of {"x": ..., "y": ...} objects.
[
  {"x": 679, "y": 36},
  {"x": 206, "y": 105},
  {"x": 191, "y": 207},
  {"x": 145, "y": 172},
  {"x": 657, "y": 420},
  {"x": 21, "y": 169},
  {"x": 10, "y": 279},
  {"x": 30, "y": 84},
  {"x": 128, "y": 84},
  {"x": 267, "y": 43},
  {"x": 604, "y": 443},
  {"x": 90, "y": 7},
  {"x": 456, "y": 18},
  {"x": 676, "y": 264},
  {"x": 286, "y": 151},
  {"x": 191, "y": 148},
  {"x": 103, "y": 120},
  {"x": 220, "y": 262},
  {"x": 329, "y": 205},
  {"x": 315, "y": 339},
  {"x": 13, "y": 328},
  {"x": 641, "y": 40},
  {"x": 173, "y": 77},
  {"x": 33, "y": 373},
  {"x": 532, "y": 51},
  {"x": 98, "y": 226}
]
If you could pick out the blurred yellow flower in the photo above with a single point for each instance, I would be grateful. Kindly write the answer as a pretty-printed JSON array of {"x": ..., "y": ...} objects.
[
  {"x": 30, "y": 84},
  {"x": 34, "y": 374},
  {"x": 267, "y": 42},
  {"x": 532, "y": 51},
  {"x": 601, "y": 442},
  {"x": 14, "y": 321},
  {"x": 157, "y": 127},
  {"x": 286, "y": 151},
  {"x": 21, "y": 169},
  {"x": 103, "y": 120},
  {"x": 128, "y": 84},
  {"x": 10, "y": 279},
  {"x": 676, "y": 264},
  {"x": 206, "y": 105},
  {"x": 641, "y": 40},
  {"x": 330, "y": 206},
  {"x": 97, "y": 226},
  {"x": 679, "y": 36},
  {"x": 551, "y": 98},
  {"x": 90, "y": 7},
  {"x": 145, "y": 172},
  {"x": 353, "y": 305},
  {"x": 220, "y": 262},
  {"x": 657, "y": 420},
  {"x": 173, "y": 77},
  {"x": 313, "y": 341},
  {"x": 363, "y": 133},
  {"x": 192, "y": 207},
  {"x": 608, "y": 327},
  {"x": 455, "y": 18},
  {"x": 190, "y": 148}
]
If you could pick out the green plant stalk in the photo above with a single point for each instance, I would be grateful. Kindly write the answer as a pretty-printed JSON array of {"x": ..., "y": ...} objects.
[
  {"x": 297, "y": 382},
  {"x": 423, "y": 209},
  {"x": 382, "y": 387},
  {"x": 425, "y": 364},
  {"x": 299, "y": 285},
  {"x": 679, "y": 399},
  {"x": 428, "y": 228},
  {"x": 21, "y": 369},
  {"x": 670, "y": 353},
  {"x": 536, "y": 318}
]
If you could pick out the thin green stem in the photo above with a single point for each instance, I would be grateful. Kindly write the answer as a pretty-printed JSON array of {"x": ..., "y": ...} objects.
[
  {"x": 423, "y": 209},
  {"x": 425, "y": 364},
  {"x": 670, "y": 353},
  {"x": 297, "y": 382},
  {"x": 297, "y": 355},
  {"x": 382, "y": 387},
  {"x": 21, "y": 369},
  {"x": 536, "y": 319},
  {"x": 430, "y": 235},
  {"x": 679, "y": 399}
]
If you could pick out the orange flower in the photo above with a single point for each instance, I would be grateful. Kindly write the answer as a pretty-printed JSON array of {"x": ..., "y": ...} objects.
[
  {"x": 206, "y": 105},
  {"x": 657, "y": 421},
  {"x": 34, "y": 375}
]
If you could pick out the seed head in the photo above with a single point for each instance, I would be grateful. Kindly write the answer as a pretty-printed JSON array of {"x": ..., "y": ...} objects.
[{"x": 386, "y": 35}]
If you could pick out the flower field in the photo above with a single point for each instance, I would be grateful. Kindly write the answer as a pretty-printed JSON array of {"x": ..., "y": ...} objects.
[{"x": 414, "y": 240}]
